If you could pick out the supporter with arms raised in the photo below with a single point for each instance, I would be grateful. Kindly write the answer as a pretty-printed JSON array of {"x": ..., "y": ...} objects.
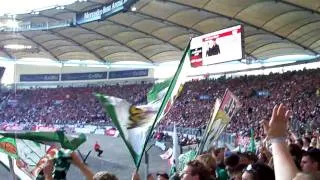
[{"x": 284, "y": 165}]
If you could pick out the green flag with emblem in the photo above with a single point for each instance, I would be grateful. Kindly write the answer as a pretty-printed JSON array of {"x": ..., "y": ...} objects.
[
  {"x": 31, "y": 151},
  {"x": 136, "y": 122}
]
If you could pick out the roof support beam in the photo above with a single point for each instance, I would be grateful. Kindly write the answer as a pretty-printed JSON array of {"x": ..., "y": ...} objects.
[
  {"x": 108, "y": 37},
  {"x": 100, "y": 58},
  {"x": 149, "y": 34},
  {"x": 281, "y": 14},
  {"x": 272, "y": 49},
  {"x": 246, "y": 23},
  {"x": 312, "y": 43},
  {"x": 303, "y": 25},
  {"x": 312, "y": 31},
  {"x": 249, "y": 6},
  {"x": 160, "y": 53},
  {"x": 196, "y": 32},
  {"x": 41, "y": 46},
  {"x": 264, "y": 45},
  {"x": 299, "y": 6}
]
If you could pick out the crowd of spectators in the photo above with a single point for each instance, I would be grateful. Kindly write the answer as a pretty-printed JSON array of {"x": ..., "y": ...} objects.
[
  {"x": 258, "y": 94},
  {"x": 279, "y": 157},
  {"x": 72, "y": 105}
]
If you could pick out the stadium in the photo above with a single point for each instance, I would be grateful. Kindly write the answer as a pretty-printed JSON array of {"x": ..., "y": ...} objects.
[{"x": 147, "y": 89}]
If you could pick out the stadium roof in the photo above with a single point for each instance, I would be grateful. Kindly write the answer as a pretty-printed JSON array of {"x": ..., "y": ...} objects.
[{"x": 159, "y": 30}]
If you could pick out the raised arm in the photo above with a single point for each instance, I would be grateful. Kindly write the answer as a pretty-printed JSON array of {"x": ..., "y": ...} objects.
[
  {"x": 284, "y": 165},
  {"x": 83, "y": 168}
]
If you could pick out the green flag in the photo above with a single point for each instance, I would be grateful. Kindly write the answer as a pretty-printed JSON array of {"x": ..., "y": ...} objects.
[
  {"x": 67, "y": 142},
  {"x": 252, "y": 146},
  {"x": 31, "y": 150},
  {"x": 136, "y": 123},
  {"x": 158, "y": 91},
  {"x": 185, "y": 158},
  {"x": 8, "y": 146}
]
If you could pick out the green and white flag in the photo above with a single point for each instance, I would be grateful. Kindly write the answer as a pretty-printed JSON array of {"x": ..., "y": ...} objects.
[
  {"x": 135, "y": 123},
  {"x": 185, "y": 158},
  {"x": 8, "y": 145},
  {"x": 32, "y": 150}
]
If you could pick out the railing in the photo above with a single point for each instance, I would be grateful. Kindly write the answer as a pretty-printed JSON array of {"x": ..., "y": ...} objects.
[{"x": 225, "y": 139}]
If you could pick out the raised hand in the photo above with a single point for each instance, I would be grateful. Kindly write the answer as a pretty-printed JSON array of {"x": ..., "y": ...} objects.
[{"x": 277, "y": 126}]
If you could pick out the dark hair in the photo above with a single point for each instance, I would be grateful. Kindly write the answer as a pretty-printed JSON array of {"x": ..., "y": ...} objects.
[
  {"x": 199, "y": 169},
  {"x": 261, "y": 171},
  {"x": 300, "y": 142},
  {"x": 238, "y": 169},
  {"x": 296, "y": 152},
  {"x": 307, "y": 139},
  {"x": 249, "y": 155},
  {"x": 232, "y": 160},
  {"x": 164, "y": 175},
  {"x": 175, "y": 177},
  {"x": 314, "y": 155}
]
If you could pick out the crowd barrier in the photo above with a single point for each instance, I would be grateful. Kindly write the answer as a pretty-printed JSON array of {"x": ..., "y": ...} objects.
[{"x": 224, "y": 139}]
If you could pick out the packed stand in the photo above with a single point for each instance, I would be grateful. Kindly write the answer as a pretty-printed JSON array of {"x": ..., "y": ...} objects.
[
  {"x": 258, "y": 94},
  {"x": 280, "y": 157},
  {"x": 72, "y": 105},
  {"x": 299, "y": 90}
]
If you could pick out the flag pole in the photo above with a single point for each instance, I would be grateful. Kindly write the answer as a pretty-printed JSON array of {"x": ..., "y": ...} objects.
[
  {"x": 146, "y": 158},
  {"x": 163, "y": 104},
  {"x": 12, "y": 168}
]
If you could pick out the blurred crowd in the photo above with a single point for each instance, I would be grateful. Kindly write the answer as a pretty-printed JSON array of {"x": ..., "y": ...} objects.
[
  {"x": 72, "y": 105},
  {"x": 258, "y": 94},
  {"x": 281, "y": 154},
  {"x": 299, "y": 90}
]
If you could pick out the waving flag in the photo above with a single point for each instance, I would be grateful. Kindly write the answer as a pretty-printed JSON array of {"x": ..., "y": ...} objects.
[
  {"x": 136, "y": 123},
  {"x": 220, "y": 118},
  {"x": 32, "y": 150},
  {"x": 8, "y": 146}
]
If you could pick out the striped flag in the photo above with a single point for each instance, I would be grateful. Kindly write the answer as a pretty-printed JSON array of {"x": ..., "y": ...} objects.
[{"x": 136, "y": 123}]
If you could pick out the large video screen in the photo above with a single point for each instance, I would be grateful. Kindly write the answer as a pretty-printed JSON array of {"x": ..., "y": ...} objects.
[{"x": 217, "y": 47}]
